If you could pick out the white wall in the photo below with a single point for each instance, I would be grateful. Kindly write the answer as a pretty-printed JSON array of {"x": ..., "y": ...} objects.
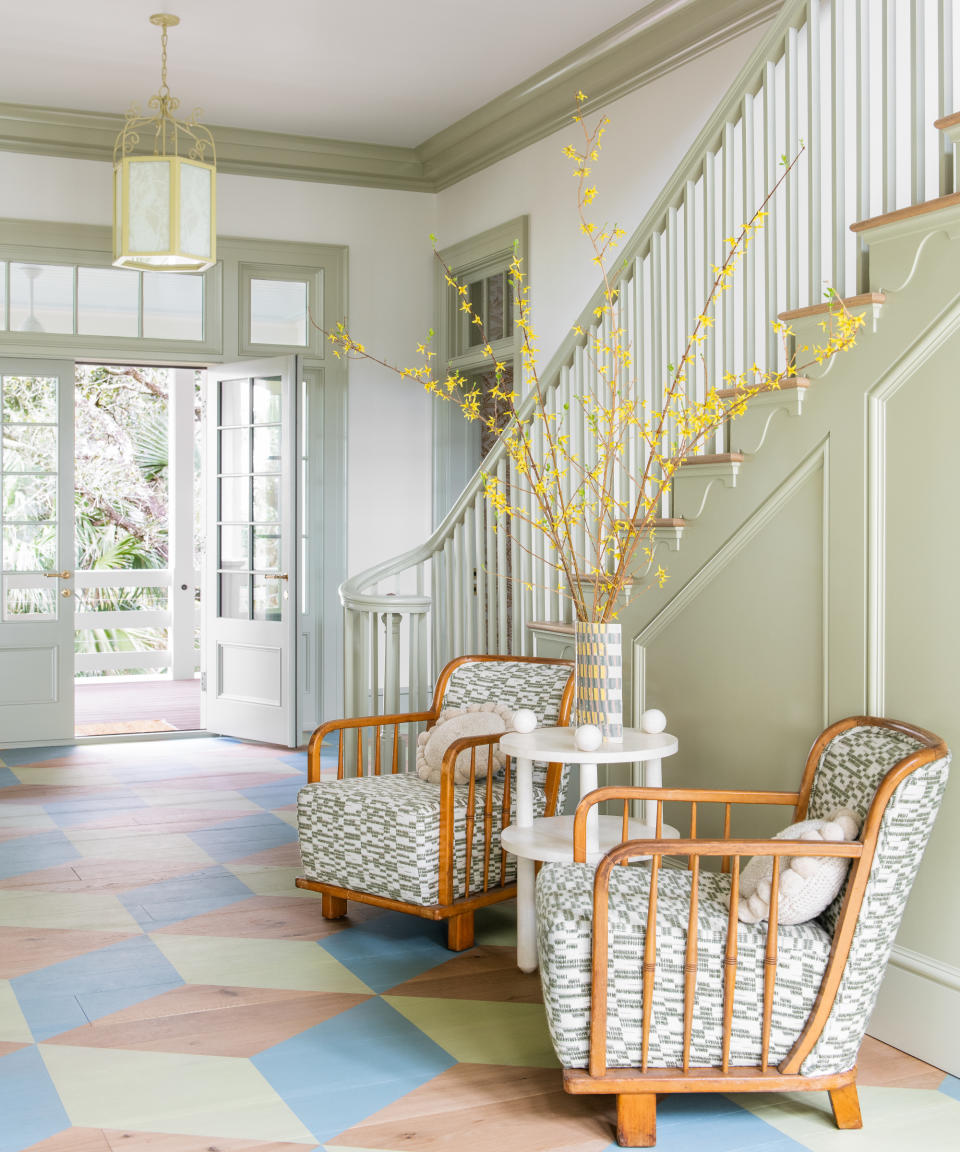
[
  {"x": 391, "y": 304},
  {"x": 390, "y": 309},
  {"x": 649, "y": 132}
]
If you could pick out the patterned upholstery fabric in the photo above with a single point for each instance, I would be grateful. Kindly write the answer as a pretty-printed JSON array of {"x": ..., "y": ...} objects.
[
  {"x": 538, "y": 687},
  {"x": 564, "y": 929},
  {"x": 849, "y": 772},
  {"x": 852, "y": 766},
  {"x": 382, "y": 835}
]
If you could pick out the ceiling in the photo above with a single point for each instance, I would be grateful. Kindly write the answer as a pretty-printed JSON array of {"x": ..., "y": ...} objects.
[{"x": 378, "y": 71}]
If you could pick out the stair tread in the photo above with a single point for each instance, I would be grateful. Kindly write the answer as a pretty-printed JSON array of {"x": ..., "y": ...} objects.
[
  {"x": 664, "y": 522},
  {"x": 552, "y": 626},
  {"x": 947, "y": 121},
  {"x": 790, "y": 382},
  {"x": 715, "y": 458},
  {"x": 824, "y": 309},
  {"x": 908, "y": 213}
]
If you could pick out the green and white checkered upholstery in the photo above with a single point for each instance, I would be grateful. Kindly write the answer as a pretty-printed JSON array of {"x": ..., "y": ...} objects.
[
  {"x": 852, "y": 766},
  {"x": 564, "y": 936},
  {"x": 850, "y": 770},
  {"x": 381, "y": 834}
]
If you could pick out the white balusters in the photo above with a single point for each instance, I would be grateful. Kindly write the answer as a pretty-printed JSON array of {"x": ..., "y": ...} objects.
[
  {"x": 888, "y": 97},
  {"x": 792, "y": 222},
  {"x": 947, "y": 90},
  {"x": 918, "y": 118}
]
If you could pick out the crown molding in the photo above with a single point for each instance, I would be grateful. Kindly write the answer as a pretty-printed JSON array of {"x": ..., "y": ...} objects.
[
  {"x": 662, "y": 36},
  {"x": 240, "y": 151},
  {"x": 652, "y": 42}
]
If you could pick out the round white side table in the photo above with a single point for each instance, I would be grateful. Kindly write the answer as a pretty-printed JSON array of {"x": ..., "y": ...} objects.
[{"x": 550, "y": 838}]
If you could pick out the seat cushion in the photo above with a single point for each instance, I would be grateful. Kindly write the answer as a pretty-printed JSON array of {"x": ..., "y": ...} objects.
[
  {"x": 381, "y": 834},
  {"x": 564, "y": 934}
]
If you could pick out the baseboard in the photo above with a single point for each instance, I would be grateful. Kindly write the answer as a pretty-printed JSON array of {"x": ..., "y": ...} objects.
[{"x": 918, "y": 1009}]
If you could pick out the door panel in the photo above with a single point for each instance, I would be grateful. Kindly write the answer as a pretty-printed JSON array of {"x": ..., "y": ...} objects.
[
  {"x": 251, "y": 551},
  {"x": 36, "y": 551}
]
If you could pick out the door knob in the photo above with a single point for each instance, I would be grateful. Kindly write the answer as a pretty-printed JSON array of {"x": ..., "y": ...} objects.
[
  {"x": 58, "y": 575},
  {"x": 276, "y": 576}
]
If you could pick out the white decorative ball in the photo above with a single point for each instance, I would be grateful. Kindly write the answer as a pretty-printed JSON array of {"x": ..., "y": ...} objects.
[
  {"x": 588, "y": 737},
  {"x": 524, "y": 720},
  {"x": 653, "y": 720}
]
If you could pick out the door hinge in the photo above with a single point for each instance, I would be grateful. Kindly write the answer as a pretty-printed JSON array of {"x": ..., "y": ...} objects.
[{"x": 203, "y": 681}]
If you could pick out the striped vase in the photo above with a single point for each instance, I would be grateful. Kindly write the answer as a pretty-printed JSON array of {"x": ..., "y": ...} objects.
[{"x": 600, "y": 679}]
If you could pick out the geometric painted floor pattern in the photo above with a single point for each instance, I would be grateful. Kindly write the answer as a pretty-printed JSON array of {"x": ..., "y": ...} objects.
[{"x": 165, "y": 988}]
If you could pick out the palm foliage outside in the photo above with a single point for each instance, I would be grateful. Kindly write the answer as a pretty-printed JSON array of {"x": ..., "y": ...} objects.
[{"x": 121, "y": 496}]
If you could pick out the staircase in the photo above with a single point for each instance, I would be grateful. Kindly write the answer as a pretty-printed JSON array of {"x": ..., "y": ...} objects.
[{"x": 869, "y": 87}]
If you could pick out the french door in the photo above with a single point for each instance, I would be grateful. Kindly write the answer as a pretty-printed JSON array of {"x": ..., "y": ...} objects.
[
  {"x": 36, "y": 551},
  {"x": 250, "y": 589}
]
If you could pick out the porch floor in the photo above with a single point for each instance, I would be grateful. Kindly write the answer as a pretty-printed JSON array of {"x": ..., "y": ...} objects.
[{"x": 137, "y": 706}]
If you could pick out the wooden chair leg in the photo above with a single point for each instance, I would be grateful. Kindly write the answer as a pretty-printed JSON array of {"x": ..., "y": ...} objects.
[
  {"x": 846, "y": 1107},
  {"x": 460, "y": 932},
  {"x": 637, "y": 1120},
  {"x": 332, "y": 907}
]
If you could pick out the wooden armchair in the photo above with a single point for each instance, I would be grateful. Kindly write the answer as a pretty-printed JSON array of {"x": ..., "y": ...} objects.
[
  {"x": 380, "y": 835},
  {"x": 652, "y": 985}
]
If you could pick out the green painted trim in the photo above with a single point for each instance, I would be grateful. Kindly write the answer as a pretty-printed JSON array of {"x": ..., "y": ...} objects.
[
  {"x": 816, "y": 462},
  {"x": 656, "y": 40},
  {"x": 89, "y": 244},
  {"x": 91, "y": 135},
  {"x": 455, "y": 441},
  {"x": 662, "y": 36},
  {"x": 906, "y": 368},
  {"x": 313, "y": 276}
]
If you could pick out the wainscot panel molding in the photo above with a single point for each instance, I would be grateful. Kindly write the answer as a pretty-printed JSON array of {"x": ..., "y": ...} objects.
[
  {"x": 928, "y": 343},
  {"x": 817, "y": 462}
]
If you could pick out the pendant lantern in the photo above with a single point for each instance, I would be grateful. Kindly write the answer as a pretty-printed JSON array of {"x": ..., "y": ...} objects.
[{"x": 164, "y": 170}]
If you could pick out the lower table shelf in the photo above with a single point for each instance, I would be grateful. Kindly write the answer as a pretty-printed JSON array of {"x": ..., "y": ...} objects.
[{"x": 550, "y": 838}]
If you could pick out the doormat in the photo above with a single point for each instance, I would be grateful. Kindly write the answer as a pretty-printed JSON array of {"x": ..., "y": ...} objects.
[{"x": 120, "y": 727}]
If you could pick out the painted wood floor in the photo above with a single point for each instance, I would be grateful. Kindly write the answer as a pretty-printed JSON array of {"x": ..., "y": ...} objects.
[{"x": 164, "y": 987}]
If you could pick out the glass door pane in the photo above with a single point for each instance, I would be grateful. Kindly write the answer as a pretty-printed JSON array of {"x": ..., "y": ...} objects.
[
  {"x": 29, "y": 553},
  {"x": 249, "y": 522}
]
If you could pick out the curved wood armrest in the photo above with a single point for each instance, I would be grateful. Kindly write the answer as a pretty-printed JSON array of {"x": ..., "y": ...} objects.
[
  {"x": 319, "y": 734},
  {"x": 474, "y": 811},
  {"x": 702, "y": 795},
  {"x": 464, "y": 744},
  {"x": 850, "y": 849},
  {"x": 447, "y": 768},
  {"x": 693, "y": 796}
]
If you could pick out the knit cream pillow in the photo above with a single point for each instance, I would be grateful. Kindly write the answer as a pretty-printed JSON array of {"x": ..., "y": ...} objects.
[
  {"x": 807, "y": 883},
  {"x": 488, "y": 719}
]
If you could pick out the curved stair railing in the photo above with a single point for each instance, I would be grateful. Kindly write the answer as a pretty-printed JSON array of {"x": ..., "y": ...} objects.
[{"x": 858, "y": 84}]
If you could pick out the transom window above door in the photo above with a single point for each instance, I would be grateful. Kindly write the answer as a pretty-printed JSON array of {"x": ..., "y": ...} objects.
[{"x": 85, "y": 300}]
